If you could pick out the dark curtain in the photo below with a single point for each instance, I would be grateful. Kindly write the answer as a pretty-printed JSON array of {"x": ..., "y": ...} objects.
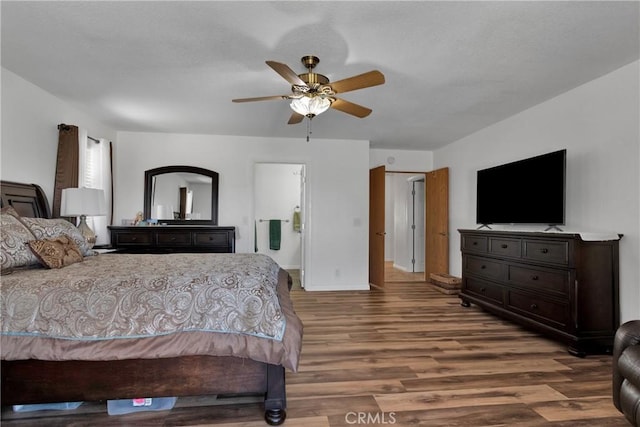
[{"x": 66, "y": 163}]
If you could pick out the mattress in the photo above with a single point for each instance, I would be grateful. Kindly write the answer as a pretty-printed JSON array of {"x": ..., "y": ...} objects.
[{"x": 141, "y": 306}]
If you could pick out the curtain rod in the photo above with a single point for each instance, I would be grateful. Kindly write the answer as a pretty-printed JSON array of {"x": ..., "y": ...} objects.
[{"x": 64, "y": 127}]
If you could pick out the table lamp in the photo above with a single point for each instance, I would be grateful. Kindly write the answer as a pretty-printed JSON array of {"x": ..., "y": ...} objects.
[{"x": 83, "y": 202}]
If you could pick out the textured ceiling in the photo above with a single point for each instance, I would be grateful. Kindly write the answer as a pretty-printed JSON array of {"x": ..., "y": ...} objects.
[{"x": 451, "y": 67}]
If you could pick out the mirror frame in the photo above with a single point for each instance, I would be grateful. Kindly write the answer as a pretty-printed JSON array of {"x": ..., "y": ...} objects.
[{"x": 148, "y": 190}]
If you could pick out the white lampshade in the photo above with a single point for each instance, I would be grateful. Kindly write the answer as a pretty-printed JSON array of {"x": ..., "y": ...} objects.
[
  {"x": 310, "y": 105},
  {"x": 82, "y": 201}
]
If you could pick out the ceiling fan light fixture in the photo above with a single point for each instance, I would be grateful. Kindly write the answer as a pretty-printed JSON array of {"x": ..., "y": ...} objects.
[{"x": 310, "y": 106}]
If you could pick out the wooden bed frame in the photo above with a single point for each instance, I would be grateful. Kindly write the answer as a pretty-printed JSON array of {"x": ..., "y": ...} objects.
[{"x": 40, "y": 381}]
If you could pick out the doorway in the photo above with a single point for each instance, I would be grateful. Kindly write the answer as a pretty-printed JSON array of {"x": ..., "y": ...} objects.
[
  {"x": 279, "y": 200},
  {"x": 436, "y": 223},
  {"x": 404, "y": 227}
]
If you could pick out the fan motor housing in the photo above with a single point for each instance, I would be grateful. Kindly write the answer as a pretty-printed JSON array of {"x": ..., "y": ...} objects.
[{"x": 313, "y": 79}]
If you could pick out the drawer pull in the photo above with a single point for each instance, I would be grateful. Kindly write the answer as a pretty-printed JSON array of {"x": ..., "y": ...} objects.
[
  {"x": 475, "y": 243},
  {"x": 483, "y": 267},
  {"x": 544, "y": 250},
  {"x": 173, "y": 239},
  {"x": 535, "y": 277},
  {"x": 533, "y": 306},
  {"x": 504, "y": 246},
  {"x": 133, "y": 239},
  {"x": 483, "y": 289}
]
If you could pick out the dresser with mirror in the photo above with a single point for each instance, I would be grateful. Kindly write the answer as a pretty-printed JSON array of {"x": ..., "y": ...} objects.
[{"x": 182, "y": 202}]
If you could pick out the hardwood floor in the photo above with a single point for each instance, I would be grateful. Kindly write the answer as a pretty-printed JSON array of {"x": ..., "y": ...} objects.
[
  {"x": 393, "y": 274},
  {"x": 405, "y": 355}
]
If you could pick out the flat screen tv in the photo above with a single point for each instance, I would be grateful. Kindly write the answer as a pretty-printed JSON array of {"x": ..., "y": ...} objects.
[{"x": 529, "y": 191}]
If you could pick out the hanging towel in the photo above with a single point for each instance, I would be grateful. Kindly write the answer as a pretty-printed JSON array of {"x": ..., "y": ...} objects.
[
  {"x": 274, "y": 234},
  {"x": 296, "y": 221}
]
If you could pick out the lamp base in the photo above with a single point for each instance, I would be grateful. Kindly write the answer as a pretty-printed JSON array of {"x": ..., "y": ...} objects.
[{"x": 87, "y": 232}]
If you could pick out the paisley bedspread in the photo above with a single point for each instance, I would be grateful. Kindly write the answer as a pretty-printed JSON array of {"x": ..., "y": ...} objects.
[{"x": 119, "y": 306}]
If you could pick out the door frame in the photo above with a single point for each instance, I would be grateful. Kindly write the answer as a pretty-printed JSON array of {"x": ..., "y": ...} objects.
[
  {"x": 427, "y": 217},
  {"x": 303, "y": 203}
]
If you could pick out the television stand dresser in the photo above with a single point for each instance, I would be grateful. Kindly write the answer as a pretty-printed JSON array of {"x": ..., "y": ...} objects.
[
  {"x": 173, "y": 238},
  {"x": 558, "y": 284}
]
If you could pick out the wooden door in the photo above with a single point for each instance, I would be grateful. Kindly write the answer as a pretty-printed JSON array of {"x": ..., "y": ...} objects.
[
  {"x": 437, "y": 222},
  {"x": 376, "y": 225}
]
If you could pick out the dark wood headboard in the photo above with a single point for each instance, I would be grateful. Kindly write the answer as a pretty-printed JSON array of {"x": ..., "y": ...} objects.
[{"x": 27, "y": 199}]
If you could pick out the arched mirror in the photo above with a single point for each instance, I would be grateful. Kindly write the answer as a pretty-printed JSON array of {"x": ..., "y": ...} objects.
[{"x": 181, "y": 195}]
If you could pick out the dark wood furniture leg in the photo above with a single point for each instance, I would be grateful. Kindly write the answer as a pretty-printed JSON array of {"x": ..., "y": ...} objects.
[{"x": 275, "y": 402}]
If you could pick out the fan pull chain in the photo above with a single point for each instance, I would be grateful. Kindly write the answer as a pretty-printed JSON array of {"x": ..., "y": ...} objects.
[{"x": 308, "y": 128}]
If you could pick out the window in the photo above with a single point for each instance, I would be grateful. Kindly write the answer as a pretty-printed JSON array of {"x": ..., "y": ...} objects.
[{"x": 95, "y": 172}]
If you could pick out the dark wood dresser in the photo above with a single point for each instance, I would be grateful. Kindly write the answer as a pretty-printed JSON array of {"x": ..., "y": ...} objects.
[
  {"x": 555, "y": 283},
  {"x": 173, "y": 238}
]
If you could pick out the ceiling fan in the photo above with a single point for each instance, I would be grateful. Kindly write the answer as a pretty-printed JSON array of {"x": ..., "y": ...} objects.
[{"x": 312, "y": 93}]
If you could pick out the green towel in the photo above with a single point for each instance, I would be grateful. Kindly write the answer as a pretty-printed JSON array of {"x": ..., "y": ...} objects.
[
  {"x": 274, "y": 234},
  {"x": 296, "y": 221}
]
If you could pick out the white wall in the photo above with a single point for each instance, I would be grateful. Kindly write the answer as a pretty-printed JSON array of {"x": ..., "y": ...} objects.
[
  {"x": 598, "y": 125},
  {"x": 30, "y": 119},
  {"x": 389, "y": 220},
  {"x": 401, "y": 222},
  {"x": 401, "y": 160},
  {"x": 337, "y": 197}
]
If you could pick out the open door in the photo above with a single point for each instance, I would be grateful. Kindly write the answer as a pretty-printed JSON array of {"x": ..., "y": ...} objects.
[
  {"x": 303, "y": 186},
  {"x": 437, "y": 222},
  {"x": 376, "y": 225}
]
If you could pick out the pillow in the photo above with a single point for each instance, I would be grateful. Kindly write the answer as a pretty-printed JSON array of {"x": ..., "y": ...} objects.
[
  {"x": 10, "y": 211},
  {"x": 56, "y": 253},
  {"x": 43, "y": 228},
  {"x": 14, "y": 236}
]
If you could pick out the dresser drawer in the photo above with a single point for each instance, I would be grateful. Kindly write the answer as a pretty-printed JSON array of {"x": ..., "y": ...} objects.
[
  {"x": 174, "y": 238},
  {"x": 556, "y": 252},
  {"x": 212, "y": 238},
  {"x": 133, "y": 238},
  {"x": 539, "y": 280},
  {"x": 481, "y": 289},
  {"x": 505, "y": 247},
  {"x": 550, "y": 312},
  {"x": 474, "y": 244},
  {"x": 483, "y": 267}
]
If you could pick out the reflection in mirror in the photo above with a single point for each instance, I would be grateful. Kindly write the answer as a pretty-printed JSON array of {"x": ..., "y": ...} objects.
[{"x": 181, "y": 195}]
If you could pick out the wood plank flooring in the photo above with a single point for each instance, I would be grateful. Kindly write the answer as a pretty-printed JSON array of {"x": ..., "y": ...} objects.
[
  {"x": 404, "y": 355},
  {"x": 393, "y": 274}
]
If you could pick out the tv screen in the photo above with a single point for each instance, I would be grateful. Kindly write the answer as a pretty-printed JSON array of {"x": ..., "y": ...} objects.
[{"x": 529, "y": 191}]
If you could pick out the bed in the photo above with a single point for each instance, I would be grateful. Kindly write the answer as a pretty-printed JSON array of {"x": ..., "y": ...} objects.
[{"x": 145, "y": 352}]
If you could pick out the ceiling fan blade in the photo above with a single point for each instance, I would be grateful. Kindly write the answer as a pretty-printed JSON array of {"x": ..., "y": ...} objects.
[
  {"x": 350, "y": 108},
  {"x": 372, "y": 78},
  {"x": 295, "y": 118},
  {"x": 286, "y": 72},
  {"x": 261, "y": 98}
]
